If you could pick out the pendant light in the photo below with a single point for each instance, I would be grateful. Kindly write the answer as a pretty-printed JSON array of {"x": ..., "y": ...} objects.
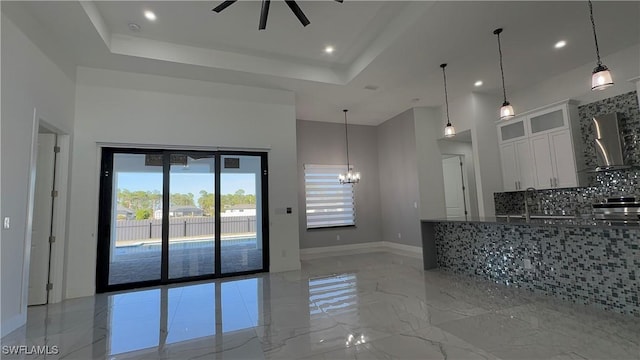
[
  {"x": 506, "y": 111},
  {"x": 350, "y": 177},
  {"x": 449, "y": 130},
  {"x": 601, "y": 76}
]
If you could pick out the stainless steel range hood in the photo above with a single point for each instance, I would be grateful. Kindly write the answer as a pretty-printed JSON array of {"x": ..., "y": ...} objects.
[{"x": 608, "y": 143}]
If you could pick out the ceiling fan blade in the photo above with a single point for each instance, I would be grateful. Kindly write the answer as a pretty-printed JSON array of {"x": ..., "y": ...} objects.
[
  {"x": 224, "y": 5},
  {"x": 298, "y": 12},
  {"x": 264, "y": 13}
]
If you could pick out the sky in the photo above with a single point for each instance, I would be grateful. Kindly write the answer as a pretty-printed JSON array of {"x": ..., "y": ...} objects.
[{"x": 187, "y": 183}]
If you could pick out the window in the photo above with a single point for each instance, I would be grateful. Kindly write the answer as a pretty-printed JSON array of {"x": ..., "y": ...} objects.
[{"x": 329, "y": 203}]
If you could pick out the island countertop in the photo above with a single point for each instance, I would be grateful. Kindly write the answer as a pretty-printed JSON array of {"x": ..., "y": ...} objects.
[{"x": 543, "y": 220}]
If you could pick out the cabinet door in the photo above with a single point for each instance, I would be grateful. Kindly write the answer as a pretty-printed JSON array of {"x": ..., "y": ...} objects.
[
  {"x": 509, "y": 166},
  {"x": 524, "y": 164},
  {"x": 564, "y": 165},
  {"x": 548, "y": 120},
  {"x": 511, "y": 130},
  {"x": 544, "y": 173}
]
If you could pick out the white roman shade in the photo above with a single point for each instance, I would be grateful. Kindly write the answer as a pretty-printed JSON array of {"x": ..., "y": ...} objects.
[{"x": 329, "y": 203}]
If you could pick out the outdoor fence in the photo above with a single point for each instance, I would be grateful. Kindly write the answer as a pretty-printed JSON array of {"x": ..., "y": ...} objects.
[{"x": 128, "y": 230}]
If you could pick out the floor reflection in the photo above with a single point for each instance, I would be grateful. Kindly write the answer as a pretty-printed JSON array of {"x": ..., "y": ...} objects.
[
  {"x": 369, "y": 306},
  {"x": 153, "y": 319}
]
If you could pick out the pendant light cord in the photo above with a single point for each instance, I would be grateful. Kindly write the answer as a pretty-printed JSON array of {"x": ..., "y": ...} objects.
[
  {"x": 446, "y": 97},
  {"x": 346, "y": 135},
  {"x": 504, "y": 90},
  {"x": 595, "y": 37}
]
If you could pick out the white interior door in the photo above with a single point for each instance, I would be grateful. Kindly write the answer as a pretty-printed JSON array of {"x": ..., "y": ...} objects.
[
  {"x": 453, "y": 187},
  {"x": 42, "y": 211}
]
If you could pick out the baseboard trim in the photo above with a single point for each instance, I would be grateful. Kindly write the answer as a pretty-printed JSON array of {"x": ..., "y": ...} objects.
[
  {"x": 363, "y": 248},
  {"x": 10, "y": 325},
  {"x": 354, "y": 248},
  {"x": 409, "y": 250}
]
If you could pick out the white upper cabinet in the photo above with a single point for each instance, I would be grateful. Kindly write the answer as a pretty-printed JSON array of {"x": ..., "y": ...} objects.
[
  {"x": 564, "y": 161},
  {"x": 537, "y": 148},
  {"x": 548, "y": 120},
  {"x": 517, "y": 165},
  {"x": 512, "y": 130}
]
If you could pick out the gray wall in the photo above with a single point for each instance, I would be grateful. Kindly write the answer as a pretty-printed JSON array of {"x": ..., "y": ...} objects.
[
  {"x": 324, "y": 143},
  {"x": 428, "y": 128},
  {"x": 399, "y": 194}
]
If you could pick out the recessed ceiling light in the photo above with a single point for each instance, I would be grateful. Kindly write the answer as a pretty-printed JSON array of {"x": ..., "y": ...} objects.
[
  {"x": 560, "y": 44},
  {"x": 150, "y": 15},
  {"x": 329, "y": 49},
  {"x": 478, "y": 83},
  {"x": 371, "y": 87}
]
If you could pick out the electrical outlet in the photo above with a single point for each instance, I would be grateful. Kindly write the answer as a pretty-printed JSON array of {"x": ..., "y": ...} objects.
[
  {"x": 415, "y": 204},
  {"x": 337, "y": 237},
  {"x": 7, "y": 222},
  {"x": 527, "y": 264},
  {"x": 399, "y": 235}
]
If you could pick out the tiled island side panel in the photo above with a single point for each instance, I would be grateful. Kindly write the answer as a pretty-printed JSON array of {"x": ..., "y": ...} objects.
[{"x": 595, "y": 266}]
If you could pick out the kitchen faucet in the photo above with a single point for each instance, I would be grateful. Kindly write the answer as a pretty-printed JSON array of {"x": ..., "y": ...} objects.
[{"x": 527, "y": 197}]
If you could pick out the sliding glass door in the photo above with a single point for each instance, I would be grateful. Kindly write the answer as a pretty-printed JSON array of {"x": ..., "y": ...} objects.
[
  {"x": 169, "y": 216},
  {"x": 240, "y": 186},
  {"x": 191, "y": 216}
]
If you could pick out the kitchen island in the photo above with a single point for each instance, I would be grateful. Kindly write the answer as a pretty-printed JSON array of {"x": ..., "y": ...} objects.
[{"x": 580, "y": 260}]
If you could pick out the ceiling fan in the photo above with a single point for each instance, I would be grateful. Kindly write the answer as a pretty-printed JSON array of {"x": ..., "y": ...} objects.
[{"x": 264, "y": 13}]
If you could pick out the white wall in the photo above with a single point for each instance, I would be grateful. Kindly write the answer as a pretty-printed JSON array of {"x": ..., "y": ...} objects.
[
  {"x": 486, "y": 151},
  {"x": 576, "y": 84},
  {"x": 119, "y": 107},
  {"x": 478, "y": 113},
  {"x": 30, "y": 80}
]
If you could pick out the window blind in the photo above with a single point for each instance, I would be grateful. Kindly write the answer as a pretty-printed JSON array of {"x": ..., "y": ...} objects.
[{"x": 329, "y": 203}]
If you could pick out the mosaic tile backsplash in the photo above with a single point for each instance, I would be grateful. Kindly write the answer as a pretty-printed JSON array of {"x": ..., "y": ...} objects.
[
  {"x": 585, "y": 265},
  {"x": 577, "y": 201}
]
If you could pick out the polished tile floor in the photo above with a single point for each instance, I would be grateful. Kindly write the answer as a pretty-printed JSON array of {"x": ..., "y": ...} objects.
[{"x": 348, "y": 306}]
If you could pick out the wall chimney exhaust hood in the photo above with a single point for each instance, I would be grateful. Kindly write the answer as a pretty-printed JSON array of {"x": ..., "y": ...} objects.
[{"x": 608, "y": 143}]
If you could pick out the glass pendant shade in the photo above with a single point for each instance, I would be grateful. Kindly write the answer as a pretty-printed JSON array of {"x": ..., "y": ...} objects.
[
  {"x": 350, "y": 177},
  {"x": 506, "y": 111},
  {"x": 601, "y": 78},
  {"x": 449, "y": 131}
]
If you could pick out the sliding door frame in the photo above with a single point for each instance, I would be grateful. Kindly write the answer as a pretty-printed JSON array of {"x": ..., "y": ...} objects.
[{"x": 105, "y": 212}]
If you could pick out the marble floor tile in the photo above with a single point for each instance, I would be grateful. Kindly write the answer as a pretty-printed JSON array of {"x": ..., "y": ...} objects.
[{"x": 378, "y": 305}]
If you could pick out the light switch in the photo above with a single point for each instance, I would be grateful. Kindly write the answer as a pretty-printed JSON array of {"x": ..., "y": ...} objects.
[{"x": 7, "y": 222}]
